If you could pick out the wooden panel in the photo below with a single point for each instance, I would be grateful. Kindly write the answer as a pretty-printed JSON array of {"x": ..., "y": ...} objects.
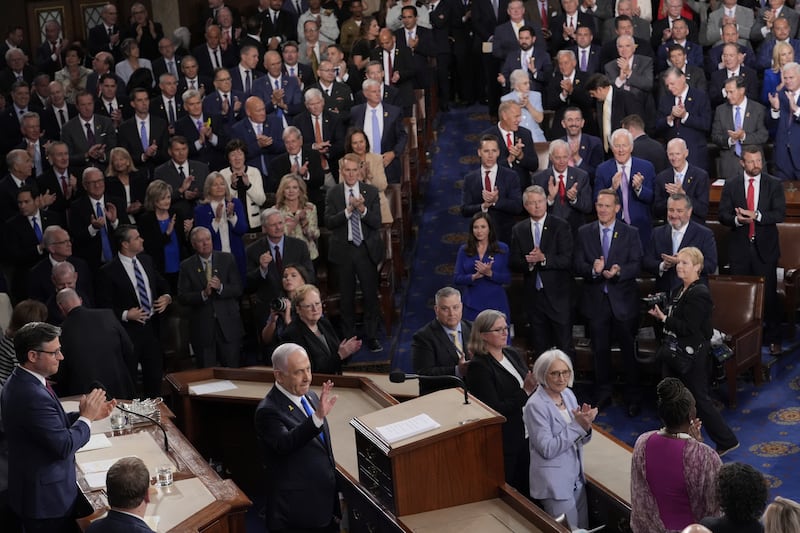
[{"x": 790, "y": 188}]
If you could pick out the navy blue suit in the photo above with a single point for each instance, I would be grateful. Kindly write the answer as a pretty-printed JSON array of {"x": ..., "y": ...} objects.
[
  {"x": 694, "y": 55},
  {"x": 260, "y": 157},
  {"x": 714, "y": 58},
  {"x": 661, "y": 243},
  {"x": 529, "y": 162},
  {"x": 591, "y": 152},
  {"x": 508, "y": 205},
  {"x": 639, "y": 208},
  {"x": 574, "y": 213},
  {"x": 695, "y": 184},
  {"x": 292, "y": 94},
  {"x": 42, "y": 441},
  {"x": 116, "y": 522},
  {"x": 787, "y": 142},
  {"x": 237, "y": 82},
  {"x": 212, "y": 105},
  {"x": 538, "y": 79},
  {"x": 593, "y": 63},
  {"x": 611, "y": 306},
  {"x": 394, "y": 136},
  {"x": 694, "y": 131}
]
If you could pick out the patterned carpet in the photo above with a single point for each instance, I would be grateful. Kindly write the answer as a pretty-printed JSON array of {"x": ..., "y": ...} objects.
[{"x": 767, "y": 419}]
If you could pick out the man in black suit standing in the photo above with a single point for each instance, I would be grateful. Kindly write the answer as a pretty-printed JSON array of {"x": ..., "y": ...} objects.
[
  {"x": 277, "y": 25},
  {"x": 516, "y": 143},
  {"x": 105, "y": 37},
  {"x": 608, "y": 255},
  {"x": 131, "y": 286},
  {"x": 752, "y": 206},
  {"x": 398, "y": 68},
  {"x": 304, "y": 163},
  {"x": 103, "y": 63},
  {"x": 295, "y": 442},
  {"x": 167, "y": 105},
  {"x": 206, "y": 135},
  {"x": 569, "y": 192},
  {"x": 186, "y": 177},
  {"x": 11, "y": 116},
  {"x": 321, "y": 131},
  {"x": 213, "y": 54},
  {"x": 209, "y": 285},
  {"x": 58, "y": 180},
  {"x": 89, "y": 136},
  {"x": 586, "y": 150},
  {"x": 681, "y": 178},
  {"x": 105, "y": 355},
  {"x": 541, "y": 249},
  {"x": 439, "y": 347},
  {"x": 353, "y": 215},
  {"x": 389, "y": 94},
  {"x": 20, "y": 173},
  {"x": 110, "y": 103},
  {"x": 612, "y": 106},
  {"x": 57, "y": 113},
  {"x": 564, "y": 90},
  {"x": 168, "y": 62},
  {"x": 33, "y": 142},
  {"x": 243, "y": 74},
  {"x": 144, "y": 135},
  {"x": 18, "y": 69}
]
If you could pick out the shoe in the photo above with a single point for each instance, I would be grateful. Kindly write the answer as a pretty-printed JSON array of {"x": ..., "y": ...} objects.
[
  {"x": 775, "y": 348},
  {"x": 374, "y": 345},
  {"x": 723, "y": 451},
  {"x": 634, "y": 409}
]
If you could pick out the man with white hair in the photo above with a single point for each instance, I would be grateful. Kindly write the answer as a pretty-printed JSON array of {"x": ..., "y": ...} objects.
[
  {"x": 681, "y": 178},
  {"x": 569, "y": 193},
  {"x": 785, "y": 112}
]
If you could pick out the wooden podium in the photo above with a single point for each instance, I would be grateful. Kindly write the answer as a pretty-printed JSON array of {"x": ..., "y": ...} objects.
[{"x": 459, "y": 462}]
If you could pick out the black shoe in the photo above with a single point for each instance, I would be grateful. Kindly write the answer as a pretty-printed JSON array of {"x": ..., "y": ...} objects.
[
  {"x": 634, "y": 409},
  {"x": 374, "y": 345}
]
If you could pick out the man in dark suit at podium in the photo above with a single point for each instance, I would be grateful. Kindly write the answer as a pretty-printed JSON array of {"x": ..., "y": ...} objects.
[
  {"x": 295, "y": 442},
  {"x": 127, "y": 485},
  {"x": 438, "y": 348}
]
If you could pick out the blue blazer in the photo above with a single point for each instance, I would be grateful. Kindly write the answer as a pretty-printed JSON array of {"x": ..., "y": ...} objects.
[
  {"x": 203, "y": 216},
  {"x": 639, "y": 207},
  {"x": 116, "y": 522},
  {"x": 42, "y": 441},
  {"x": 661, "y": 243},
  {"x": 556, "y": 447},
  {"x": 694, "y": 55},
  {"x": 273, "y": 127},
  {"x": 787, "y": 142},
  {"x": 212, "y": 105},
  {"x": 697, "y": 128},
  {"x": 626, "y": 251},
  {"x": 292, "y": 94}
]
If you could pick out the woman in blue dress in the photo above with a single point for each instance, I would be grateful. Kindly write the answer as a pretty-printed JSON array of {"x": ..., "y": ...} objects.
[{"x": 482, "y": 269}]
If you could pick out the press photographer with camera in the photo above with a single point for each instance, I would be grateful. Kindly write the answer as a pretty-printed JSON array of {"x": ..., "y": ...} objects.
[{"x": 685, "y": 343}]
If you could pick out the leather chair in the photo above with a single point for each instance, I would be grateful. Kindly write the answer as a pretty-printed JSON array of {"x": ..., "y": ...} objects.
[
  {"x": 739, "y": 312},
  {"x": 789, "y": 284},
  {"x": 721, "y": 236}
]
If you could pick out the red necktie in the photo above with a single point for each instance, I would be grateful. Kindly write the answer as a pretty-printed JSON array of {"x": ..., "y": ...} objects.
[
  {"x": 391, "y": 68},
  {"x": 487, "y": 183},
  {"x": 545, "y": 23},
  {"x": 64, "y": 186},
  {"x": 509, "y": 141},
  {"x": 680, "y": 100},
  {"x": 751, "y": 206},
  {"x": 562, "y": 191},
  {"x": 50, "y": 389}
]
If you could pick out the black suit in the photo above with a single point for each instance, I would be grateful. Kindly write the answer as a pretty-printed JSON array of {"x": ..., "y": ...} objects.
[
  {"x": 206, "y": 65},
  {"x": 300, "y": 472},
  {"x": 528, "y": 164},
  {"x": 269, "y": 286},
  {"x": 40, "y": 283},
  {"x": 52, "y": 183},
  {"x": 160, "y": 67},
  {"x": 85, "y": 245},
  {"x": 155, "y": 240},
  {"x": 45, "y": 164},
  {"x": 116, "y": 292},
  {"x": 215, "y": 328},
  {"x": 593, "y": 63},
  {"x": 323, "y": 354},
  {"x": 169, "y": 173},
  {"x": 51, "y": 127},
  {"x": 356, "y": 261},
  {"x": 580, "y": 19},
  {"x": 548, "y": 307},
  {"x": 8, "y": 196},
  {"x": 578, "y": 98},
  {"x": 212, "y": 155},
  {"x": 508, "y": 205},
  {"x": 391, "y": 95},
  {"x": 10, "y": 124},
  {"x": 434, "y": 354},
  {"x": 21, "y": 247},
  {"x": 202, "y": 82},
  {"x": 285, "y": 27},
  {"x": 159, "y": 109},
  {"x": 645, "y": 147},
  {"x": 695, "y": 234},
  {"x": 608, "y": 51},
  {"x": 623, "y": 104},
  {"x": 7, "y": 78},
  {"x": 573, "y": 212},
  {"x": 333, "y": 131},
  {"x": 148, "y": 45},
  {"x": 129, "y": 138},
  {"x": 695, "y": 184},
  {"x": 403, "y": 64},
  {"x": 717, "y": 84},
  {"x": 314, "y": 178},
  {"x": 123, "y": 103},
  {"x": 425, "y": 49},
  {"x": 759, "y": 257},
  {"x": 99, "y": 41},
  {"x": 104, "y": 355}
]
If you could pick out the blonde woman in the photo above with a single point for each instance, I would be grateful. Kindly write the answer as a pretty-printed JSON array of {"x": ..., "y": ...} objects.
[
  {"x": 224, "y": 217},
  {"x": 125, "y": 181},
  {"x": 299, "y": 215},
  {"x": 773, "y": 78}
]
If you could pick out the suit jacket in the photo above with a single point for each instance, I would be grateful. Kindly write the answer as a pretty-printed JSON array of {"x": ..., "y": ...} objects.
[
  {"x": 744, "y": 23},
  {"x": 160, "y": 67},
  {"x": 103, "y": 356},
  {"x": 339, "y": 102},
  {"x": 557, "y": 41},
  {"x": 42, "y": 154},
  {"x": 21, "y": 247},
  {"x": 591, "y": 152},
  {"x": 212, "y": 155},
  {"x": 578, "y": 98},
  {"x": 40, "y": 284},
  {"x": 508, "y": 205},
  {"x": 285, "y": 27},
  {"x": 155, "y": 239},
  {"x": 608, "y": 50},
  {"x": 639, "y": 208},
  {"x": 403, "y": 64},
  {"x": 167, "y": 172},
  {"x": 786, "y": 156},
  {"x": 117, "y": 522},
  {"x": 99, "y": 41},
  {"x": 394, "y": 136},
  {"x": 505, "y": 40},
  {"x": 763, "y": 60},
  {"x": 94, "y": 89},
  {"x": 641, "y": 29},
  {"x": 333, "y": 130},
  {"x": 269, "y": 287},
  {"x": 337, "y": 223},
  {"x": 74, "y": 134},
  {"x": 212, "y": 105},
  {"x": 256, "y": 156},
  {"x": 434, "y": 354},
  {"x": 625, "y": 251},
  {"x": 300, "y": 470},
  {"x": 51, "y": 128},
  {"x": 203, "y": 82},
  {"x": 694, "y": 55},
  {"x": 623, "y": 103},
  {"x": 204, "y": 63},
  {"x": 204, "y": 216},
  {"x": 130, "y": 139},
  {"x": 754, "y": 125},
  {"x": 8, "y": 196},
  {"x": 593, "y": 63},
  {"x": 314, "y": 178},
  {"x": 484, "y": 21},
  {"x": 645, "y": 147},
  {"x": 574, "y": 213},
  {"x": 696, "y": 185},
  {"x": 7, "y": 78},
  {"x": 658, "y": 27},
  {"x": 218, "y": 312},
  {"x": 303, "y": 72},
  {"x": 717, "y": 84},
  {"x": 538, "y": 79},
  {"x": 523, "y": 167},
  {"x": 534, "y": 15},
  {"x": 238, "y": 81},
  {"x": 640, "y": 82},
  {"x": 696, "y": 128},
  {"x": 86, "y": 246},
  {"x": 695, "y": 78},
  {"x": 556, "y": 446},
  {"x": 157, "y": 107},
  {"x": 292, "y": 94},
  {"x": 786, "y": 12},
  {"x": 391, "y": 95},
  {"x": 148, "y": 45},
  {"x": 425, "y": 49},
  {"x": 323, "y": 354},
  {"x": 695, "y": 234},
  {"x": 556, "y": 272},
  {"x": 42, "y": 441},
  {"x": 123, "y": 103},
  {"x": 714, "y": 57},
  {"x": 771, "y": 205}
]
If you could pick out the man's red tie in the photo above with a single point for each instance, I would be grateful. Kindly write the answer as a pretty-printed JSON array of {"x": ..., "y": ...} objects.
[
  {"x": 50, "y": 389},
  {"x": 391, "y": 66},
  {"x": 751, "y": 206},
  {"x": 680, "y": 100},
  {"x": 487, "y": 183},
  {"x": 509, "y": 140},
  {"x": 562, "y": 191},
  {"x": 545, "y": 23}
]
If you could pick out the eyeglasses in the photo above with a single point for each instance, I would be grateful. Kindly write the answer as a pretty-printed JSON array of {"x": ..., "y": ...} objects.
[
  {"x": 223, "y": 79},
  {"x": 65, "y": 241},
  {"x": 315, "y": 305},
  {"x": 555, "y": 374},
  {"x": 504, "y": 329},
  {"x": 53, "y": 353}
]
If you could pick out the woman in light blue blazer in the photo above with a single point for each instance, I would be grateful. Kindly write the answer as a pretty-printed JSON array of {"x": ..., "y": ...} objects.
[
  {"x": 557, "y": 429},
  {"x": 531, "y": 102}
]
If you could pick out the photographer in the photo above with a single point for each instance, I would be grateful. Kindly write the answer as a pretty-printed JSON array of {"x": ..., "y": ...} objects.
[
  {"x": 687, "y": 325},
  {"x": 281, "y": 312},
  {"x": 316, "y": 334}
]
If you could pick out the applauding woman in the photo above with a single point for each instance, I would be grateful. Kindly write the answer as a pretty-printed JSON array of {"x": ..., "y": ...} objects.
[
  {"x": 558, "y": 427},
  {"x": 482, "y": 269}
]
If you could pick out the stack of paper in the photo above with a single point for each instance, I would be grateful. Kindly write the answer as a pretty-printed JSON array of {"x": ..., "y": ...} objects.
[{"x": 404, "y": 429}]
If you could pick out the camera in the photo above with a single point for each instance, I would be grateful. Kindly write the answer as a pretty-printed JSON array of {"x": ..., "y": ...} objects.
[
  {"x": 278, "y": 305},
  {"x": 659, "y": 299}
]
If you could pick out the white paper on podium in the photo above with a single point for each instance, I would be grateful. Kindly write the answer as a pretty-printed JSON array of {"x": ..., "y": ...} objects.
[
  {"x": 97, "y": 467},
  {"x": 96, "y": 442},
  {"x": 409, "y": 427},
  {"x": 214, "y": 386},
  {"x": 96, "y": 480}
]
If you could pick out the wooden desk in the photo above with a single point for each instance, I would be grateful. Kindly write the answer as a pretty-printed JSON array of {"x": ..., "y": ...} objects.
[
  {"x": 791, "y": 190},
  {"x": 199, "y": 500},
  {"x": 607, "y": 465}
]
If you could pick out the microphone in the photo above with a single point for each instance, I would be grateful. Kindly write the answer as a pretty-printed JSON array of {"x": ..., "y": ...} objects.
[
  {"x": 98, "y": 385},
  {"x": 398, "y": 376}
]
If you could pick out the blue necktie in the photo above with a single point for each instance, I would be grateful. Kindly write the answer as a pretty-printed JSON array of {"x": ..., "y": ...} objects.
[
  {"x": 737, "y": 125},
  {"x": 105, "y": 243},
  {"x": 355, "y": 224},
  {"x": 141, "y": 288},
  {"x": 537, "y": 237},
  {"x": 37, "y": 229},
  {"x": 278, "y": 109},
  {"x": 376, "y": 133},
  {"x": 143, "y": 136},
  {"x": 309, "y": 412}
]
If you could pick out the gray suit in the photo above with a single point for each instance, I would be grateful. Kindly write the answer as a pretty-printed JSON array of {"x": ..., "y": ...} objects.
[
  {"x": 786, "y": 12},
  {"x": 744, "y": 21},
  {"x": 74, "y": 134},
  {"x": 640, "y": 82},
  {"x": 753, "y": 123}
]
